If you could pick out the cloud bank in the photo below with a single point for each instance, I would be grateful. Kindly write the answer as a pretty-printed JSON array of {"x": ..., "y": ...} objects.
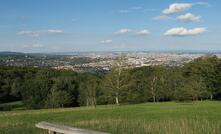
[
  {"x": 40, "y": 33},
  {"x": 188, "y": 17},
  {"x": 177, "y": 7},
  {"x": 123, "y": 31},
  {"x": 107, "y": 41},
  {"x": 143, "y": 32},
  {"x": 181, "y": 31}
]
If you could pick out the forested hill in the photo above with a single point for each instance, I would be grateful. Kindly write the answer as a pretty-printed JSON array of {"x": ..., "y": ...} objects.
[
  {"x": 48, "y": 88},
  {"x": 8, "y": 53}
]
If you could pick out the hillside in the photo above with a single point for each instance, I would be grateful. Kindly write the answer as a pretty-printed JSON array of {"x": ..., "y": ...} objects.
[{"x": 167, "y": 118}]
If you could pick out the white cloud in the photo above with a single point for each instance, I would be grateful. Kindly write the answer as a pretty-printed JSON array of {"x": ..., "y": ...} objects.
[
  {"x": 28, "y": 33},
  {"x": 151, "y": 9},
  {"x": 177, "y": 7},
  {"x": 39, "y": 33},
  {"x": 161, "y": 17},
  {"x": 107, "y": 41},
  {"x": 143, "y": 32},
  {"x": 137, "y": 8},
  {"x": 124, "y": 11},
  {"x": 123, "y": 31},
  {"x": 188, "y": 17},
  {"x": 203, "y": 4},
  {"x": 181, "y": 31},
  {"x": 135, "y": 32},
  {"x": 33, "y": 46},
  {"x": 55, "y": 31}
]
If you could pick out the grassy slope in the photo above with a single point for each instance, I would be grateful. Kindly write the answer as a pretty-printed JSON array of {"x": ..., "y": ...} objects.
[{"x": 169, "y": 118}]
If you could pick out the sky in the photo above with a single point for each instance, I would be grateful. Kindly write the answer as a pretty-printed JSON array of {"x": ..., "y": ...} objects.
[{"x": 110, "y": 25}]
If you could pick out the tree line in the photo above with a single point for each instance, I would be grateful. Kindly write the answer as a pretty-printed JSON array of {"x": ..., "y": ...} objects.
[{"x": 199, "y": 79}]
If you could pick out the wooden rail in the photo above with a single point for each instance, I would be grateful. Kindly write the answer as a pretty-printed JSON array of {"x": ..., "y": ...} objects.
[{"x": 62, "y": 129}]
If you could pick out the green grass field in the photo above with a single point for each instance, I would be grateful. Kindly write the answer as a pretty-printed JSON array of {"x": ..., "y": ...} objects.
[{"x": 159, "y": 118}]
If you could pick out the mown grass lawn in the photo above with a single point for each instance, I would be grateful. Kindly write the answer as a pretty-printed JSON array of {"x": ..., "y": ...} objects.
[{"x": 160, "y": 118}]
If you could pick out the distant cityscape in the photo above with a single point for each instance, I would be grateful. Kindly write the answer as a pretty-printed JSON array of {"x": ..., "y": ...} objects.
[{"x": 97, "y": 61}]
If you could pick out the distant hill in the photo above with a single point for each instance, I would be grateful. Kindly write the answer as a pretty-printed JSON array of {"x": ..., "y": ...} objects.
[{"x": 8, "y": 53}]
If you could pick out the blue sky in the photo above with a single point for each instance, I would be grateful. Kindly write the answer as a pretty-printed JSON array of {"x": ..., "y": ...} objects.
[{"x": 109, "y": 25}]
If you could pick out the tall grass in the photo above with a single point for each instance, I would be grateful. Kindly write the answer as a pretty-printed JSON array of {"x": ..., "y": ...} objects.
[
  {"x": 182, "y": 126},
  {"x": 159, "y": 118}
]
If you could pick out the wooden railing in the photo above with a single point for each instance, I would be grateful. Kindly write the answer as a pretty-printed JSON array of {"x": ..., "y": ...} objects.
[{"x": 62, "y": 129}]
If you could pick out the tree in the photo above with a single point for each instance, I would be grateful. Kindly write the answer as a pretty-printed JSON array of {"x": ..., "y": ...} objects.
[
  {"x": 138, "y": 85},
  {"x": 69, "y": 84},
  {"x": 16, "y": 88},
  {"x": 157, "y": 87},
  {"x": 89, "y": 89},
  {"x": 116, "y": 81},
  {"x": 206, "y": 69},
  {"x": 192, "y": 89},
  {"x": 5, "y": 89},
  {"x": 35, "y": 90},
  {"x": 174, "y": 80},
  {"x": 58, "y": 98},
  {"x": 218, "y": 81}
]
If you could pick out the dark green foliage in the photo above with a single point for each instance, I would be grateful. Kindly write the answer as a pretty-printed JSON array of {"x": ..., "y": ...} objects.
[
  {"x": 43, "y": 88},
  {"x": 35, "y": 92},
  {"x": 205, "y": 70},
  {"x": 32, "y": 85},
  {"x": 58, "y": 98},
  {"x": 89, "y": 89},
  {"x": 68, "y": 84}
]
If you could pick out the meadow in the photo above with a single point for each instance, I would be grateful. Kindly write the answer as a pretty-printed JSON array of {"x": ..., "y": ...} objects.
[{"x": 151, "y": 118}]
